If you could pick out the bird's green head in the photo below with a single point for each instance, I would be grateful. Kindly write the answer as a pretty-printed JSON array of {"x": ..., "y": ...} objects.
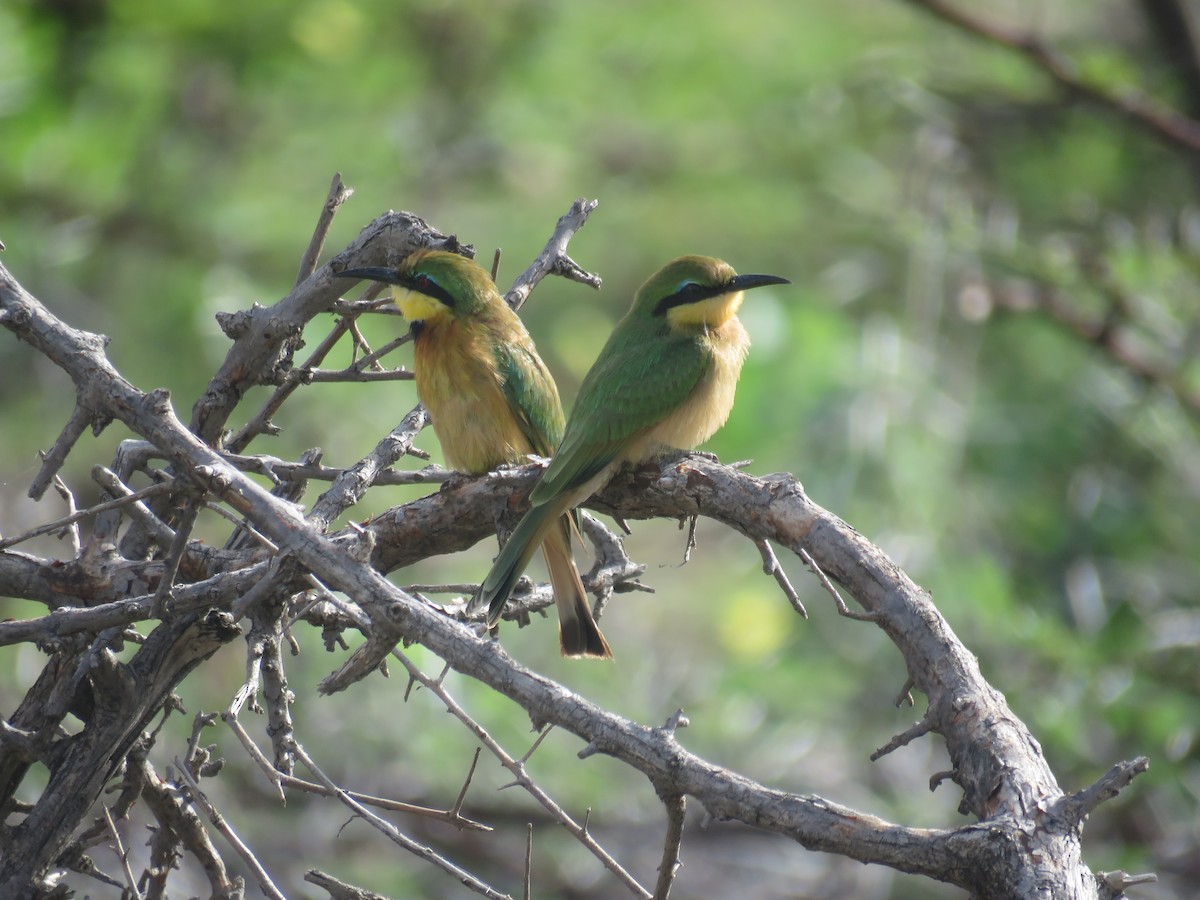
[
  {"x": 697, "y": 290},
  {"x": 434, "y": 284}
]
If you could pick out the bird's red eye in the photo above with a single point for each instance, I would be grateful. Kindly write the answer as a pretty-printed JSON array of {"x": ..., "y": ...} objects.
[{"x": 421, "y": 281}]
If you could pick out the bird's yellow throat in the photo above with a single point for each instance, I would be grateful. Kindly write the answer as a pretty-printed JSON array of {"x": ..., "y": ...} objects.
[
  {"x": 712, "y": 313},
  {"x": 417, "y": 307}
]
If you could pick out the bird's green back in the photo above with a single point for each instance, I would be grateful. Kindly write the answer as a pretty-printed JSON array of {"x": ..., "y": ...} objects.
[{"x": 644, "y": 371}]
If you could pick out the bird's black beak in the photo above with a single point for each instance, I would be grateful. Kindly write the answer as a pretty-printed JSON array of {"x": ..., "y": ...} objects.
[
  {"x": 745, "y": 282},
  {"x": 372, "y": 273}
]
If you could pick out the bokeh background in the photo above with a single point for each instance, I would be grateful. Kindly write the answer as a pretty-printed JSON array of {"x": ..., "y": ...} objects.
[{"x": 922, "y": 189}]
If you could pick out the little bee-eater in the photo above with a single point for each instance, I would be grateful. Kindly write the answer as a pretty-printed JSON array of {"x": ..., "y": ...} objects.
[
  {"x": 491, "y": 399},
  {"x": 664, "y": 381}
]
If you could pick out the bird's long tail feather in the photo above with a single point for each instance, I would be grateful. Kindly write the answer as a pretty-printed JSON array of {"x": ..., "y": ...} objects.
[
  {"x": 514, "y": 557},
  {"x": 578, "y": 633}
]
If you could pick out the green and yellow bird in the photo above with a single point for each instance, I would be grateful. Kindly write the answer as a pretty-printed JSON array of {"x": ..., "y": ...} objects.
[
  {"x": 664, "y": 381},
  {"x": 491, "y": 399}
]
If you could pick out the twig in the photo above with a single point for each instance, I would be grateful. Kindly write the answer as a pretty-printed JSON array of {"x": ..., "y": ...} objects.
[
  {"x": 283, "y": 780},
  {"x": 350, "y": 486},
  {"x": 553, "y": 258},
  {"x": 282, "y": 470},
  {"x": 1117, "y": 881},
  {"x": 527, "y": 881},
  {"x": 396, "y": 836},
  {"x": 261, "y": 421},
  {"x": 676, "y": 806},
  {"x": 59, "y": 524},
  {"x": 264, "y": 651},
  {"x": 613, "y": 570},
  {"x": 339, "y": 890},
  {"x": 347, "y": 608},
  {"x": 1082, "y": 803},
  {"x": 354, "y": 375},
  {"x": 517, "y": 768},
  {"x": 183, "y": 530},
  {"x": 462, "y": 794},
  {"x": 533, "y": 748},
  {"x": 772, "y": 567},
  {"x": 179, "y": 827},
  {"x": 138, "y": 510},
  {"x": 222, "y": 825},
  {"x": 21, "y": 742},
  {"x": 68, "y": 620},
  {"x": 339, "y": 193},
  {"x": 842, "y": 608},
  {"x": 73, "y": 530},
  {"x": 122, "y": 854},
  {"x": 371, "y": 358},
  {"x": 918, "y": 729},
  {"x": 461, "y": 588},
  {"x": 244, "y": 527},
  {"x": 193, "y": 755},
  {"x": 53, "y": 460},
  {"x": 358, "y": 341},
  {"x": 368, "y": 303}
]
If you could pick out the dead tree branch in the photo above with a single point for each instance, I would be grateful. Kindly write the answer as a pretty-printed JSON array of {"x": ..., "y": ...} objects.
[{"x": 1026, "y": 840}]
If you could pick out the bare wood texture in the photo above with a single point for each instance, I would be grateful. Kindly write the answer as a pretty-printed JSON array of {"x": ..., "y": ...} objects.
[{"x": 120, "y": 700}]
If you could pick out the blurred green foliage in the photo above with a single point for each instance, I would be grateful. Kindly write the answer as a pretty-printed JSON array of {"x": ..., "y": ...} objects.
[{"x": 161, "y": 162}]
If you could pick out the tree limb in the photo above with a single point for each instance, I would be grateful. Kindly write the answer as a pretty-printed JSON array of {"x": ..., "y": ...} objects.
[{"x": 1027, "y": 839}]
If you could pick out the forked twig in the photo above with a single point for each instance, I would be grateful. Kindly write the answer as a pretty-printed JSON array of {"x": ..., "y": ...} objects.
[
  {"x": 395, "y": 835},
  {"x": 59, "y": 524},
  {"x": 222, "y": 825},
  {"x": 842, "y": 608},
  {"x": 553, "y": 258},
  {"x": 517, "y": 768},
  {"x": 281, "y": 780}
]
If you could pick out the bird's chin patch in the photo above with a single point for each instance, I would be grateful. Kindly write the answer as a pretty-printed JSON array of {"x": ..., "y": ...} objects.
[
  {"x": 711, "y": 313},
  {"x": 417, "y": 307}
]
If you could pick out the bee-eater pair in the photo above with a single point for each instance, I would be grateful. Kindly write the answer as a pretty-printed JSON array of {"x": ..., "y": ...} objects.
[{"x": 664, "y": 381}]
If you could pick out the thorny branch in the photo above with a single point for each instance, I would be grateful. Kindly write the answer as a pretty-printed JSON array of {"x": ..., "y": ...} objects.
[
  {"x": 521, "y": 775},
  {"x": 394, "y": 834},
  {"x": 1028, "y": 833}
]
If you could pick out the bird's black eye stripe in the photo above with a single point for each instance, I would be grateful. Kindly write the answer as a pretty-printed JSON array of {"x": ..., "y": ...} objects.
[
  {"x": 691, "y": 292},
  {"x": 423, "y": 284}
]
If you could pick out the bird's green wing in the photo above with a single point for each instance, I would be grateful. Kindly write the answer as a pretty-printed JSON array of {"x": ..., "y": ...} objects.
[
  {"x": 531, "y": 396},
  {"x": 627, "y": 391}
]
